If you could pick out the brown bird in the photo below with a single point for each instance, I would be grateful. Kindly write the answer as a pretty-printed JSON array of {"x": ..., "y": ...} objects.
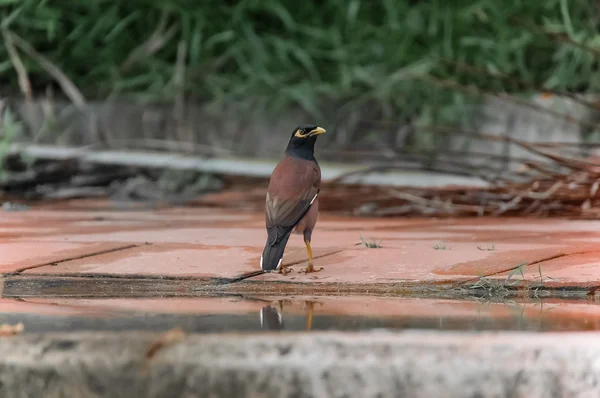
[{"x": 292, "y": 198}]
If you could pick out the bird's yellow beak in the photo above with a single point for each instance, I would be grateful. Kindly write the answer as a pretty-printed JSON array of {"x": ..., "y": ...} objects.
[{"x": 317, "y": 131}]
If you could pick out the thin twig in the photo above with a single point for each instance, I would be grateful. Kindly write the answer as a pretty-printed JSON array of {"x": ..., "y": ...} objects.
[
  {"x": 179, "y": 86},
  {"x": 62, "y": 79},
  {"x": 155, "y": 42},
  {"x": 447, "y": 83},
  {"x": 559, "y": 37},
  {"x": 521, "y": 82},
  {"x": 15, "y": 59}
]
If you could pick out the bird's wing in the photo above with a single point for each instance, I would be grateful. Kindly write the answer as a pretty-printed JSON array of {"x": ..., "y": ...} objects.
[{"x": 282, "y": 215}]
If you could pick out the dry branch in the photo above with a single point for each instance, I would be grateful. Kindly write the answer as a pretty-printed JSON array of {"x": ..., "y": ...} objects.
[
  {"x": 17, "y": 63},
  {"x": 562, "y": 185},
  {"x": 61, "y": 78},
  {"x": 569, "y": 188}
]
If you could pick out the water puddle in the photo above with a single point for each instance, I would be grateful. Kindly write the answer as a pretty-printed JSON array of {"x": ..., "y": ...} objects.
[{"x": 254, "y": 314}]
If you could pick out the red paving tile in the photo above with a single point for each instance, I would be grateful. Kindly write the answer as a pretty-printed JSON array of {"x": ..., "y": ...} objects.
[
  {"x": 212, "y": 242},
  {"x": 573, "y": 270},
  {"x": 173, "y": 260},
  {"x": 16, "y": 256}
]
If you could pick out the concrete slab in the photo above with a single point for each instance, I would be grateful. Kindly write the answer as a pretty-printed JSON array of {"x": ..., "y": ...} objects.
[
  {"x": 243, "y": 166},
  {"x": 371, "y": 364},
  {"x": 20, "y": 255},
  {"x": 201, "y": 242},
  {"x": 576, "y": 269},
  {"x": 173, "y": 260}
]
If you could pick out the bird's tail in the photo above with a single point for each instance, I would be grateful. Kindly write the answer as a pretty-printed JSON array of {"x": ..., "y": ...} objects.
[
  {"x": 271, "y": 318},
  {"x": 273, "y": 254}
]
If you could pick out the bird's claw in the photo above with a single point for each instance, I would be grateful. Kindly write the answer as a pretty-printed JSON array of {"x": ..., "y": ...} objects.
[
  {"x": 310, "y": 268},
  {"x": 284, "y": 271}
]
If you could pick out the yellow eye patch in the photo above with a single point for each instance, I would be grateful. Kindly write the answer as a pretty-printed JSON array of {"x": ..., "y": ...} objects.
[{"x": 300, "y": 134}]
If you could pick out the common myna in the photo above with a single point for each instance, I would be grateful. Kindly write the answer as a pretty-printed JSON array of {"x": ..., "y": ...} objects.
[{"x": 292, "y": 203}]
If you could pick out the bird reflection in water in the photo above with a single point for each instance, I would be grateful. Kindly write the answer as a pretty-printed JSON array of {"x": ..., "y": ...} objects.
[{"x": 271, "y": 316}]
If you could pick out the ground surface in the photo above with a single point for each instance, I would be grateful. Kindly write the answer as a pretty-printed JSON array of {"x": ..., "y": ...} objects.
[
  {"x": 82, "y": 239},
  {"x": 93, "y": 284},
  {"x": 84, "y": 258}
]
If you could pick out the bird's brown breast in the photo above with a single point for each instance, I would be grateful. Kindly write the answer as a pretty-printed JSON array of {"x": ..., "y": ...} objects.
[
  {"x": 292, "y": 177},
  {"x": 293, "y": 187}
]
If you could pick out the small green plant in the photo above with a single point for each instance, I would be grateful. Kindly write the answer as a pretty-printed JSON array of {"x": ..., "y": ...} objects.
[
  {"x": 371, "y": 244},
  {"x": 486, "y": 248},
  {"x": 482, "y": 282},
  {"x": 542, "y": 279},
  {"x": 498, "y": 288},
  {"x": 495, "y": 288},
  {"x": 518, "y": 269},
  {"x": 440, "y": 246},
  {"x": 490, "y": 287}
]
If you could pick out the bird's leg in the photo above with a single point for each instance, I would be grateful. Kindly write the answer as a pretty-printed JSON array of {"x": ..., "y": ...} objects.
[
  {"x": 310, "y": 267},
  {"x": 310, "y": 307}
]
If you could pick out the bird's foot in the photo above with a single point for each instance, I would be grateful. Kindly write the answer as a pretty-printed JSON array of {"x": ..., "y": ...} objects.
[
  {"x": 284, "y": 270},
  {"x": 310, "y": 268}
]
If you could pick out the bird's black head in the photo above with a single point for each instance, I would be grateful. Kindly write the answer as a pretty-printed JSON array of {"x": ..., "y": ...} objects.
[{"x": 302, "y": 142}]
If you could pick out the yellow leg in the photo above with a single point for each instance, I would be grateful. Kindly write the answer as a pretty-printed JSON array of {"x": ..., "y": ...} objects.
[
  {"x": 310, "y": 315},
  {"x": 309, "y": 267}
]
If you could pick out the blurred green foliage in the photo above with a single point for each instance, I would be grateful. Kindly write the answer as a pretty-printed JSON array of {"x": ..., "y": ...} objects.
[
  {"x": 282, "y": 52},
  {"x": 9, "y": 129}
]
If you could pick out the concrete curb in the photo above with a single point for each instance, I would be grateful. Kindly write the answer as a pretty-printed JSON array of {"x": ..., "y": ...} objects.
[
  {"x": 243, "y": 166},
  {"x": 373, "y": 364}
]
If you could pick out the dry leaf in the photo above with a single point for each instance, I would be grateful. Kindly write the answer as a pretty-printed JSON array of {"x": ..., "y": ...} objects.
[
  {"x": 171, "y": 337},
  {"x": 11, "y": 330}
]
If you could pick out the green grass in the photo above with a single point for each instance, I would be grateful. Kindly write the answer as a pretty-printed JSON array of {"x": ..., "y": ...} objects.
[
  {"x": 371, "y": 244},
  {"x": 517, "y": 270},
  {"x": 395, "y": 56},
  {"x": 496, "y": 288}
]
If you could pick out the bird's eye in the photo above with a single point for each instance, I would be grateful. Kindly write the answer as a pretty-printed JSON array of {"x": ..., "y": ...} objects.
[{"x": 300, "y": 133}]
